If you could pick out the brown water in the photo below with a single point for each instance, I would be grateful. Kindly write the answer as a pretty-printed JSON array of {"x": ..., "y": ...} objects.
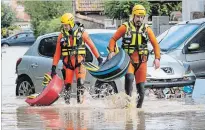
[
  {"x": 155, "y": 115},
  {"x": 111, "y": 113}
]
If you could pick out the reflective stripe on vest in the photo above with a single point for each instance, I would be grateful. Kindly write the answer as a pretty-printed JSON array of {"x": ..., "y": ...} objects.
[
  {"x": 134, "y": 40},
  {"x": 78, "y": 47}
]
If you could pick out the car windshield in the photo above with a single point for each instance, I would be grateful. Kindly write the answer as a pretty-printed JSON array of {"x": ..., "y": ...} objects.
[
  {"x": 101, "y": 41},
  {"x": 175, "y": 36}
]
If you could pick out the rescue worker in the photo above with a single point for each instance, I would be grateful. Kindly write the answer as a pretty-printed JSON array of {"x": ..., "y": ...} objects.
[
  {"x": 71, "y": 46},
  {"x": 135, "y": 35}
]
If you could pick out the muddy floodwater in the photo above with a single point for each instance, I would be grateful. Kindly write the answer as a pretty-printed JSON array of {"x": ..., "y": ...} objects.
[{"x": 97, "y": 114}]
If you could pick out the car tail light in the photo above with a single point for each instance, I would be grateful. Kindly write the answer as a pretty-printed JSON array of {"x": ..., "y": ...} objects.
[{"x": 17, "y": 63}]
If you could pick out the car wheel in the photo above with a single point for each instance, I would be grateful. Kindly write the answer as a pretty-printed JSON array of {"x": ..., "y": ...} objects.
[
  {"x": 24, "y": 87},
  {"x": 103, "y": 89},
  {"x": 5, "y": 45}
]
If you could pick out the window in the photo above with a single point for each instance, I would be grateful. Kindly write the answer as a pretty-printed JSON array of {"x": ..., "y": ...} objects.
[
  {"x": 199, "y": 39},
  {"x": 175, "y": 36},
  {"x": 30, "y": 35},
  {"x": 22, "y": 35},
  {"x": 47, "y": 46},
  {"x": 13, "y": 37}
]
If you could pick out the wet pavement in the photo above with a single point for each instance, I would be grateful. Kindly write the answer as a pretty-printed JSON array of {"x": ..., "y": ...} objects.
[{"x": 96, "y": 114}]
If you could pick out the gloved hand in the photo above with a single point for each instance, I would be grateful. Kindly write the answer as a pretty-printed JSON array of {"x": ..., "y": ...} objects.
[
  {"x": 53, "y": 70},
  {"x": 100, "y": 60}
]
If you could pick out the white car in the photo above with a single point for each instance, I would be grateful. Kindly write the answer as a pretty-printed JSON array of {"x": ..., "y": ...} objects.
[
  {"x": 37, "y": 61},
  {"x": 188, "y": 46}
]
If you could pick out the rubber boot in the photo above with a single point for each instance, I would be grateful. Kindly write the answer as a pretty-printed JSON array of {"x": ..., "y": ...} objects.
[
  {"x": 141, "y": 92},
  {"x": 128, "y": 84},
  {"x": 67, "y": 93},
  {"x": 80, "y": 91}
]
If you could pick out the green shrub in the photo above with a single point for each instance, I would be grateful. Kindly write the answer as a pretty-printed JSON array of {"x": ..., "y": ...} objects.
[{"x": 48, "y": 26}]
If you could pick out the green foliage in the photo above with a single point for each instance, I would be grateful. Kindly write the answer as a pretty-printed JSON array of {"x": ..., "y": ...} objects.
[
  {"x": 122, "y": 9},
  {"x": 49, "y": 26},
  {"x": 13, "y": 27},
  {"x": 7, "y": 15},
  {"x": 42, "y": 12},
  {"x": 165, "y": 9}
]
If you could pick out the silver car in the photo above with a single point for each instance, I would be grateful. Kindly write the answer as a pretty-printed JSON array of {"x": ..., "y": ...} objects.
[
  {"x": 38, "y": 60},
  {"x": 186, "y": 42}
]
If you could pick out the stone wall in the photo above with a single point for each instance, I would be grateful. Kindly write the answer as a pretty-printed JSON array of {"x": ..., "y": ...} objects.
[{"x": 89, "y": 23}]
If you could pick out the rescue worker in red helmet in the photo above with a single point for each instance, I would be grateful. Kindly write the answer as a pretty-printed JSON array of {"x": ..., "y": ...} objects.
[
  {"x": 135, "y": 35},
  {"x": 71, "y": 46}
]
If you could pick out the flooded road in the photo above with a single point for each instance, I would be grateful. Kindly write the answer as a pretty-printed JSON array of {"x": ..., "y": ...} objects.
[{"x": 97, "y": 114}]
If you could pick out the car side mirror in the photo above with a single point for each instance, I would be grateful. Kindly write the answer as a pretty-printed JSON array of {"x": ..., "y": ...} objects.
[{"x": 193, "y": 46}]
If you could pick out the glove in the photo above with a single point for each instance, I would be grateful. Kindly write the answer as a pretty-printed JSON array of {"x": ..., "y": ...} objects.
[
  {"x": 53, "y": 70},
  {"x": 100, "y": 60}
]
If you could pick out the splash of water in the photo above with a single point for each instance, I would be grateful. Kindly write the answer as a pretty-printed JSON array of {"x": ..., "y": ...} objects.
[{"x": 122, "y": 101}]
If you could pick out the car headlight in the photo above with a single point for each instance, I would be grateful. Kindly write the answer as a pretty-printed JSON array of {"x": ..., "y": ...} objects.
[{"x": 187, "y": 68}]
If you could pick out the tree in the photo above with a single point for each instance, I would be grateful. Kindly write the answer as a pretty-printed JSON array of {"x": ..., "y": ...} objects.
[
  {"x": 7, "y": 16},
  {"x": 118, "y": 9},
  {"x": 50, "y": 26},
  {"x": 164, "y": 8},
  {"x": 45, "y": 11},
  {"x": 122, "y": 9}
]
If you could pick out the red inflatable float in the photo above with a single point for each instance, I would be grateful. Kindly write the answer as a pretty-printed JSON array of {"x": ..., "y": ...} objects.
[{"x": 50, "y": 93}]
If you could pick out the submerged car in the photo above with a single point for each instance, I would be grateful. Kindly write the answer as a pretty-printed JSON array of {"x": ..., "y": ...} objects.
[
  {"x": 37, "y": 61},
  {"x": 186, "y": 42},
  {"x": 26, "y": 38}
]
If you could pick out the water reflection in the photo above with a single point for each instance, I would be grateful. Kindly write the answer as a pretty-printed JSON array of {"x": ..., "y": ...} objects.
[
  {"x": 182, "y": 113},
  {"x": 80, "y": 119},
  {"x": 137, "y": 119}
]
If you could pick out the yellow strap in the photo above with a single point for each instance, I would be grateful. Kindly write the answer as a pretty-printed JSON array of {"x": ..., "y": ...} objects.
[
  {"x": 139, "y": 39},
  {"x": 75, "y": 36},
  {"x": 64, "y": 49},
  {"x": 48, "y": 76},
  {"x": 127, "y": 26},
  {"x": 134, "y": 36},
  {"x": 69, "y": 42},
  {"x": 33, "y": 96},
  {"x": 141, "y": 27},
  {"x": 116, "y": 49},
  {"x": 90, "y": 66},
  {"x": 64, "y": 53},
  {"x": 144, "y": 52}
]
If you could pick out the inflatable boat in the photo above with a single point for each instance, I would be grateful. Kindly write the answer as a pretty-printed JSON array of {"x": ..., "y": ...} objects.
[
  {"x": 111, "y": 69},
  {"x": 49, "y": 94}
]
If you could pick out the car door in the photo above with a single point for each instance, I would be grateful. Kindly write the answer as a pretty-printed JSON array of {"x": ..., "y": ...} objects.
[
  {"x": 42, "y": 63},
  {"x": 195, "y": 53},
  {"x": 20, "y": 39},
  {"x": 30, "y": 39},
  {"x": 11, "y": 41}
]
